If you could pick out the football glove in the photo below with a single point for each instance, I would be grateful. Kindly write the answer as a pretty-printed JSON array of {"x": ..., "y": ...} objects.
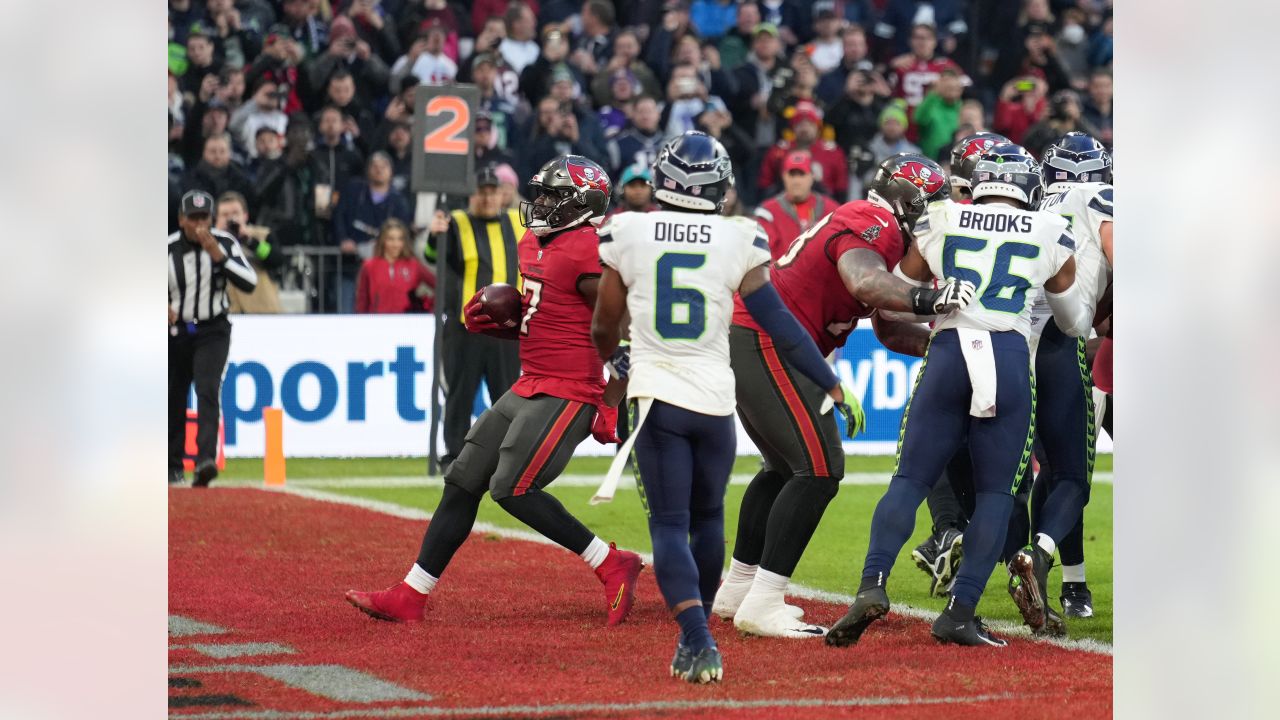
[
  {"x": 619, "y": 364},
  {"x": 855, "y": 420},
  {"x": 953, "y": 295},
  {"x": 474, "y": 317}
]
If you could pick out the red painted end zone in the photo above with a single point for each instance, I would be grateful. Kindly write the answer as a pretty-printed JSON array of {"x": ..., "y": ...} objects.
[{"x": 516, "y": 625}]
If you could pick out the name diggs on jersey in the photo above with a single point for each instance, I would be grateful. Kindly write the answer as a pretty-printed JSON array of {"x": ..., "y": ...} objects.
[
  {"x": 994, "y": 223},
  {"x": 679, "y": 232}
]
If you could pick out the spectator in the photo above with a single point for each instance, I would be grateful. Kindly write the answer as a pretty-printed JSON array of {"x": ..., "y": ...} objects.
[
  {"x": 713, "y": 18},
  {"x": 1072, "y": 42},
  {"x": 794, "y": 210},
  {"x": 393, "y": 280},
  {"x": 623, "y": 89},
  {"x": 501, "y": 112},
  {"x": 639, "y": 143},
  {"x": 508, "y": 186},
  {"x": 369, "y": 19},
  {"x": 279, "y": 62},
  {"x": 490, "y": 37},
  {"x": 736, "y": 42},
  {"x": 482, "y": 11},
  {"x": 938, "y": 114},
  {"x": 535, "y": 79},
  {"x": 398, "y": 149},
  {"x": 1041, "y": 58},
  {"x": 901, "y": 17},
  {"x": 856, "y": 120},
  {"x": 200, "y": 62},
  {"x": 566, "y": 90},
  {"x": 239, "y": 38},
  {"x": 309, "y": 31},
  {"x": 594, "y": 45},
  {"x": 426, "y": 60},
  {"x": 558, "y": 133},
  {"x": 686, "y": 99},
  {"x": 399, "y": 109},
  {"x": 262, "y": 111},
  {"x": 853, "y": 57},
  {"x": 716, "y": 121},
  {"x": 231, "y": 88},
  {"x": 800, "y": 88},
  {"x": 233, "y": 218},
  {"x": 892, "y": 138},
  {"x": 636, "y": 193},
  {"x": 215, "y": 173},
  {"x": 754, "y": 82},
  {"x": 286, "y": 191},
  {"x": 626, "y": 56},
  {"x": 519, "y": 48},
  {"x": 364, "y": 205},
  {"x": 826, "y": 50},
  {"x": 269, "y": 146},
  {"x": 973, "y": 115},
  {"x": 357, "y": 120},
  {"x": 489, "y": 151},
  {"x": 915, "y": 71},
  {"x": 182, "y": 15},
  {"x": 1097, "y": 107},
  {"x": 1021, "y": 105},
  {"x": 203, "y": 122},
  {"x": 787, "y": 17},
  {"x": 350, "y": 54},
  {"x": 334, "y": 161},
  {"x": 830, "y": 165},
  {"x": 1064, "y": 117},
  {"x": 1100, "y": 47},
  {"x": 418, "y": 16},
  {"x": 675, "y": 25}
]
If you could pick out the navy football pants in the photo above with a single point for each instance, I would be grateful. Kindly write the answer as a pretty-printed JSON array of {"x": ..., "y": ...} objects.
[
  {"x": 684, "y": 459},
  {"x": 1067, "y": 430},
  {"x": 935, "y": 424}
]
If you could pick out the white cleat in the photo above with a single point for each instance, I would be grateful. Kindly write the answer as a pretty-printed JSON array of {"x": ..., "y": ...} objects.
[
  {"x": 773, "y": 620},
  {"x": 730, "y": 596}
]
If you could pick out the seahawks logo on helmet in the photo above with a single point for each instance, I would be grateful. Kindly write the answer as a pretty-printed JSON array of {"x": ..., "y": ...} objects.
[
  {"x": 1008, "y": 170},
  {"x": 1076, "y": 158},
  {"x": 692, "y": 173}
]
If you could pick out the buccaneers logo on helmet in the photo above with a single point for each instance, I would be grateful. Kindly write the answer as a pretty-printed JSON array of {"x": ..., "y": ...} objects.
[{"x": 920, "y": 176}]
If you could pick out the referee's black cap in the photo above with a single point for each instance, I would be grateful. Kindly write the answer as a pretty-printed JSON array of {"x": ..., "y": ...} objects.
[
  {"x": 488, "y": 175},
  {"x": 197, "y": 202}
]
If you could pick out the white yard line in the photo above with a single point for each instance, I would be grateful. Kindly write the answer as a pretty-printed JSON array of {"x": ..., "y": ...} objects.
[{"x": 400, "y": 511}]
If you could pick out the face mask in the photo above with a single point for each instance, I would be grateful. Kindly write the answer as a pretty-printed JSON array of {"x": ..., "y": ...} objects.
[{"x": 1073, "y": 34}]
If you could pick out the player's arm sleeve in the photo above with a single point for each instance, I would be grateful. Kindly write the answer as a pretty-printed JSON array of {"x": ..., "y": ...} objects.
[
  {"x": 792, "y": 341},
  {"x": 1101, "y": 208},
  {"x": 610, "y": 247}
]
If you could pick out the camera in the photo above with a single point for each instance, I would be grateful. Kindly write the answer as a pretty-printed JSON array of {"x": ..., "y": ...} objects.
[{"x": 233, "y": 227}]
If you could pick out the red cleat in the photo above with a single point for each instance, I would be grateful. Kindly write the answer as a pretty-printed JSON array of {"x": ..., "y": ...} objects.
[
  {"x": 618, "y": 572},
  {"x": 398, "y": 603}
]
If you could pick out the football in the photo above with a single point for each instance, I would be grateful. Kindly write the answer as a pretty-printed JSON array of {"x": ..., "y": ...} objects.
[{"x": 502, "y": 303}]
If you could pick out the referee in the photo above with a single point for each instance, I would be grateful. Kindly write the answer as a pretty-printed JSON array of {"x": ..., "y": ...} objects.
[
  {"x": 481, "y": 251},
  {"x": 201, "y": 262}
]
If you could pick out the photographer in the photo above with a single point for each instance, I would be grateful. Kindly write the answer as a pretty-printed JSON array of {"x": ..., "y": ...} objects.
[
  {"x": 262, "y": 111},
  {"x": 350, "y": 53},
  {"x": 1021, "y": 105},
  {"x": 233, "y": 218}
]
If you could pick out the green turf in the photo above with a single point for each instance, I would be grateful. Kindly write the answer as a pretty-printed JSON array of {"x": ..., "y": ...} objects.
[
  {"x": 251, "y": 468},
  {"x": 837, "y": 549}
]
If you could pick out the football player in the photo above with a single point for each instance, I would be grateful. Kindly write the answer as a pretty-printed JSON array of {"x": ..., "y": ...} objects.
[
  {"x": 674, "y": 272},
  {"x": 832, "y": 275},
  {"x": 976, "y": 380},
  {"x": 1078, "y": 185},
  {"x": 525, "y": 440}
]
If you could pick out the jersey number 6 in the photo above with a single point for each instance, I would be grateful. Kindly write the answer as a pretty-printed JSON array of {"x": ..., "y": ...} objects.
[
  {"x": 669, "y": 295},
  {"x": 1006, "y": 292}
]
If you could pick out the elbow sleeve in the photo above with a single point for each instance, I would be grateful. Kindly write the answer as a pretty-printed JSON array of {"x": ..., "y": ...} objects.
[
  {"x": 1070, "y": 311},
  {"x": 791, "y": 339}
]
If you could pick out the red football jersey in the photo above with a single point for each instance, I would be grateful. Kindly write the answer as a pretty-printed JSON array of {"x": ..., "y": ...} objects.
[
  {"x": 912, "y": 81},
  {"x": 808, "y": 281},
  {"x": 556, "y": 353}
]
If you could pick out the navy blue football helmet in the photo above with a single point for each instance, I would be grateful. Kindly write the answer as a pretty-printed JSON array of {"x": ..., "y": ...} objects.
[
  {"x": 1008, "y": 170},
  {"x": 1075, "y": 158},
  {"x": 692, "y": 173}
]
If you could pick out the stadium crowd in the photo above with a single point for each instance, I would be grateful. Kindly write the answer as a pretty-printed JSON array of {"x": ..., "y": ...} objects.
[{"x": 300, "y": 110}]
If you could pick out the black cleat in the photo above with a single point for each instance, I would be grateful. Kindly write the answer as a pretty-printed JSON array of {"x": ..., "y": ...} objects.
[
  {"x": 1077, "y": 601},
  {"x": 682, "y": 661},
  {"x": 206, "y": 471},
  {"x": 177, "y": 478},
  {"x": 868, "y": 606},
  {"x": 1028, "y": 579},
  {"x": 950, "y": 552},
  {"x": 926, "y": 557},
  {"x": 971, "y": 633},
  {"x": 706, "y": 667}
]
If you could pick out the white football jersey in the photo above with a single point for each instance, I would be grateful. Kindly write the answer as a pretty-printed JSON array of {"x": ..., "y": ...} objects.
[
  {"x": 681, "y": 271},
  {"x": 1085, "y": 206},
  {"x": 1005, "y": 252}
]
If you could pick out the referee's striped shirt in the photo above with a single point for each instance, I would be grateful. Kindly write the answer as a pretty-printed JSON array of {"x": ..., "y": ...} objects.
[{"x": 198, "y": 285}]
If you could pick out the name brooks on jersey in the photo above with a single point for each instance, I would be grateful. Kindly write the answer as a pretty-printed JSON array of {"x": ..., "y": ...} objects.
[{"x": 970, "y": 220}]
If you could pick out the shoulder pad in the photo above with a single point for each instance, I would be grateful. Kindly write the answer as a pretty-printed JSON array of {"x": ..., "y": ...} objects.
[{"x": 764, "y": 214}]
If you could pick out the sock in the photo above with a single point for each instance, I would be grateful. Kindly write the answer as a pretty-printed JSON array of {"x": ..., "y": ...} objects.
[
  {"x": 1073, "y": 573},
  {"x": 1046, "y": 543},
  {"x": 694, "y": 632},
  {"x": 740, "y": 572},
  {"x": 873, "y": 580},
  {"x": 753, "y": 516},
  {"x": 959, "y": 611},
  {"x": 769, "y": 586},
  {"x": 421, "y": 580},
  {"x": 450, "y": 525},
  {"x": 544, "y": 513},
  {"x": 595, "y": 553}
]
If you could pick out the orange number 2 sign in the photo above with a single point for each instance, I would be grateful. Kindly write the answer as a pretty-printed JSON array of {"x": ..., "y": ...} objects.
[{"x": 444, "y": 139}]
